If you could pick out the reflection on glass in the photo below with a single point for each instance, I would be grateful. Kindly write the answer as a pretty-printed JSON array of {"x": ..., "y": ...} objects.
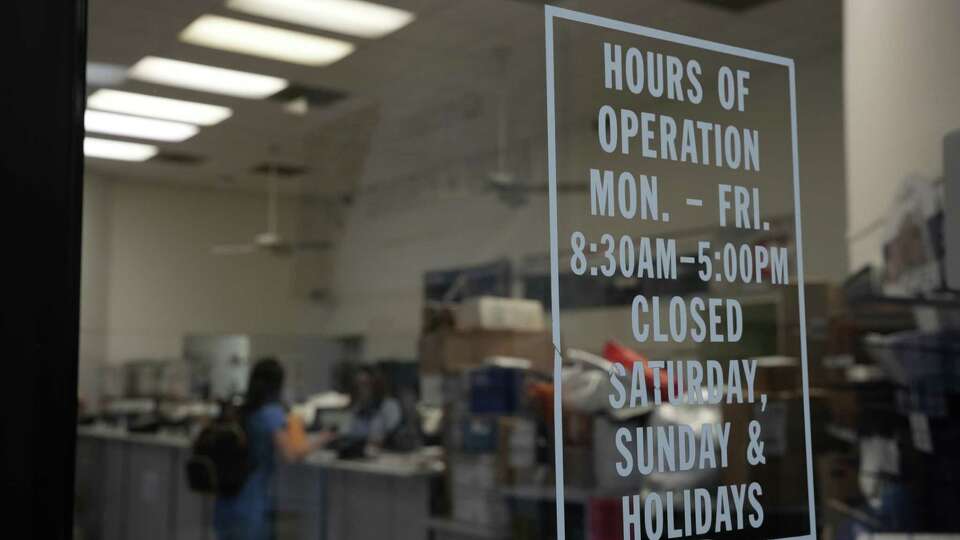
[{"x": 328, "y": 312}]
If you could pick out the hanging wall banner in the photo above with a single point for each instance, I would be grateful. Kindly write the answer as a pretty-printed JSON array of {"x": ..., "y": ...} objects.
[{"x": 674, "y": 160}]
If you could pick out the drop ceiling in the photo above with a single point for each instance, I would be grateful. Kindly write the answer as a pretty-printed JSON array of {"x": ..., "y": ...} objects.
[{"x": 396, "y": 98}]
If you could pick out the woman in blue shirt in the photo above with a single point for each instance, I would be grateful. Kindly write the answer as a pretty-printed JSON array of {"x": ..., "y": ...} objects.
[{"x": 247, "y": 515}]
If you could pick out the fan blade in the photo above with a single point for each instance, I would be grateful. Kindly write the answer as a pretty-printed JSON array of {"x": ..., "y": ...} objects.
[
  {"x": 234, "y": 249},
  {"x": 280, "y": 248},
  {"x": 291, "y": 248},
  {"x": 312, "y": 245}
]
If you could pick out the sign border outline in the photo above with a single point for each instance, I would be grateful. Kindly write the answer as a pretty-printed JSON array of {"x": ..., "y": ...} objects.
[{"x": 554, "y": 12}]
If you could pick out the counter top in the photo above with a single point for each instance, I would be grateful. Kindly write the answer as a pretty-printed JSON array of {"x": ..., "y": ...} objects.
[
  {"x": 387, "y": 463},
  {"x": 157, "y": 439},
  {"x": 422, "y": 463}
]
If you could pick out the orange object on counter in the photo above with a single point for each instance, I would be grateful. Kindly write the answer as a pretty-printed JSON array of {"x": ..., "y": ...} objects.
[
  {"x": 541, "y": 393},
  {"x": 296, "y": 431},
  {"x": 619, "y": 354}
]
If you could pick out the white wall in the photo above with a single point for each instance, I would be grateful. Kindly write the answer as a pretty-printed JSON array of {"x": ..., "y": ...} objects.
[
  {"x": 386, "y": 248},
  {"x": 823, "y": 189},
  {"x": 901, "y": 86},
  {"x": 149, "y": 277}
]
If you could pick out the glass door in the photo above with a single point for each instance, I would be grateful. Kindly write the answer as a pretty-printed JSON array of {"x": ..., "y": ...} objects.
[{"x": 514, "y": 269}]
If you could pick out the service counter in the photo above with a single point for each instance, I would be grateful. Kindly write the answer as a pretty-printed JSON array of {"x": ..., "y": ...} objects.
[{"x": 134, "y": 486}]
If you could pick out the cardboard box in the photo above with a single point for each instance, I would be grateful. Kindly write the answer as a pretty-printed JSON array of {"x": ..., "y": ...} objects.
[
  {"x": 820, "y": 301},
  {"x": 784, "y": 475},
  {"x": 479, "y": 506},
  {"x": 478, "y": 471},
  {"x": 605, "y": 456},
  {"x": 437, "y": 317},
  {"x": 577, "y": 430},
  {"x": 739, "y": 416},
  {"x": 472, "y": 481},
  {"x": 501, "y": 451},
  {"x": 516, "y": 450},
  {"x": 498, "y": 313},
  {"x": 778, "y": 374},
  {"x": 455, "y": 352}
]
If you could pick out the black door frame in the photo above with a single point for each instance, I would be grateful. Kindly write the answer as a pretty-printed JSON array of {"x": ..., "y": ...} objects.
[{"x": 41, "y": 167}]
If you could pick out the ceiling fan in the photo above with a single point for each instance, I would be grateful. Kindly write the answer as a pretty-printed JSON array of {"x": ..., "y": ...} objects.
[
  {"x": 510, "y": 188},
  {"x": 271, "y": 241}
]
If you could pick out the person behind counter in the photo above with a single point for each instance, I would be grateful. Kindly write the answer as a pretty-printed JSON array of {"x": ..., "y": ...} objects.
[
  {"x": 271, "y": 432},
  {"x": 377, "y": 419}
]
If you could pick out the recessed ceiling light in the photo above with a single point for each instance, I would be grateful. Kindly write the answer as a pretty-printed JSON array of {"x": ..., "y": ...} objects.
[
  {"x": 123, "y": 151},
  {"x": 266, "y": 41},
  {"x": 137, "y": 127},
  {"x": 206, "y": 78},
  {"x": 352, "y": 17},
  {"x": 158, "y": 107}
]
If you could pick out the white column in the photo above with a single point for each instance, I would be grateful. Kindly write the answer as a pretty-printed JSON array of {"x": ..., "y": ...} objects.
[{"x": 902, "y": 95}]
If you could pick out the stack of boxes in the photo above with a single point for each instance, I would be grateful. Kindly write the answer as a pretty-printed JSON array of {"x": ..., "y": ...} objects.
[
  {"x": 579, "y": 459},
  {"x": 491, "y": 445},
  {"x": 457, "y": 339},
  {"x": 783, "y": 475},
  {"x": 477, "y": 361},
  {"x": 772, "y": 335}
]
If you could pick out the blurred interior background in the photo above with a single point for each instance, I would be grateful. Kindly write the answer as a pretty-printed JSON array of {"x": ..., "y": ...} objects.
[{"x": 360, "y": 184}]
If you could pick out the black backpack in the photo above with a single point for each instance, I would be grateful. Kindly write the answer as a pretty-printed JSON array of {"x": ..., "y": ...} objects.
[{"x": 220, "y": 461}]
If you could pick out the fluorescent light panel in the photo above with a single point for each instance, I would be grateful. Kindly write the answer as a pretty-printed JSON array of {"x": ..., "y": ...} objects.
[
  {"x": 137, "y": 127},
  {"x": 120, "y": 150},
  {"x": 351, "y": 17},
  {"x": 158, "y": 107},
  {"x": 266, "y": 41},
  {"x": 206, "y": 78}
]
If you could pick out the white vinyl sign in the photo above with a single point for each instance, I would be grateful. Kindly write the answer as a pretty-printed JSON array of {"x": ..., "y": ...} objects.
[{"x": 685, "y": 131}]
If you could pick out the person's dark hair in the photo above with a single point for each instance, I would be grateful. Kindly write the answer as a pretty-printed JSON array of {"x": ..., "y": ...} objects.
[
  {"x": 378, "y": 385},
  {"x": 264, "y": 386}
]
